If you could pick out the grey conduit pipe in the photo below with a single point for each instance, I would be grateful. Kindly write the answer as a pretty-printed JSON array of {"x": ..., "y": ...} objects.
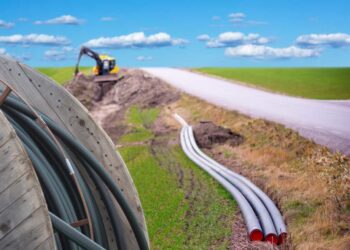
[
  {"x": 252, "y": 222},
  {"x": 259, "y": 208},
  {"x": 270, "y": 217},
  {"x": 274, "y": 212}
]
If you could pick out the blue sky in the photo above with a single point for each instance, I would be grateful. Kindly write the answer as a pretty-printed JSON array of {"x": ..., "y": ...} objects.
[{"x": 237, "y": 33}]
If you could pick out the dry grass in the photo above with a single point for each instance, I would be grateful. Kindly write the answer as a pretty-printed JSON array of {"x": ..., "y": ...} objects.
[{"x": 308, "y": 182}]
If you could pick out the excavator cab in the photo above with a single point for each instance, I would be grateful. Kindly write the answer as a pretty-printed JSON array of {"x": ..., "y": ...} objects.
[{"x": 107, "y": 67}]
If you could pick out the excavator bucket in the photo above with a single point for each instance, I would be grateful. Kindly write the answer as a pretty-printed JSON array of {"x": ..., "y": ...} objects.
[{"x": 107, "y": 78}]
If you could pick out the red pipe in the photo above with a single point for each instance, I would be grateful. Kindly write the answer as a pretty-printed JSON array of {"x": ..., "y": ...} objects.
[
  {"x": 272, "y": 238},
  {"x": 282, "y": 238},
  {"x": 256, "y": 235}
]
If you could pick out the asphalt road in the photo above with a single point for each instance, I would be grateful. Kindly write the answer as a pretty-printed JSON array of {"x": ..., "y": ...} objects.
[{"x": 325, "y": 122}]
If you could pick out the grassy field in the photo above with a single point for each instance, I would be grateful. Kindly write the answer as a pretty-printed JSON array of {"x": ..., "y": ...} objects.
[
  {"x": 184, "y": 207},
  {"x": 316, "y": 83},
  {"x": 62, "y": 74},
  {"x": 140, "y": 121}
]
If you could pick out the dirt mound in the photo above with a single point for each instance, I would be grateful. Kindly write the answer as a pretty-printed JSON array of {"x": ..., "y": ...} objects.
[
  {"x": 108, "y": 102},
  {"x": 142, "y": 89},
  {"x": 137, "y": 87},
  {"x": 82, "y": 88},
  {"x": 207, "y": 134}
]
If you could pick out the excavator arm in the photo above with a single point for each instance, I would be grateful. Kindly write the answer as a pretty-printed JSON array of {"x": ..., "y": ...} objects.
[{"x": 86, "y": 51}]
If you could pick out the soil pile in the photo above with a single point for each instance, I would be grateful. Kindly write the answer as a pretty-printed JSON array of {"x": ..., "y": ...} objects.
[
  {"x": 207, "y": 134},
  {"x": 136, "y": 88},
  {"x": 142, "y": 89},
  {"x": 82, "y": 88}
]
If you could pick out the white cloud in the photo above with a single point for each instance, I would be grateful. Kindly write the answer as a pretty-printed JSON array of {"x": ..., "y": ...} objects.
[
  {"x": 107, "y": 19},
  {"x": 3, "y": 52},
  {"x": 22, "y": 19},
  {"x": 229, "y": 39},
  {"x": 65, "y": 19},
  {"x": 203, "y": 37},
  {"x": 236, "y": 20},
  {"x": 55, "y": 55},
  {"x": 254, "y": 22},
  {"x": 216, "y": 18},
  {"x": 236, "y": 15},
  {"x": 34, "y": 39},
  {"x": 239, "y": 19},
  {"x": 136, "y": 40},
  {"x": 324, "y": 40},
  {"x": 67, "y": 48},
  {"x": 144, "y": 58},
  {"x": 23, "y": 57},
  {"x": 59, "y": 54},
  {"x": 6, "y": 25},
  {"x": 265, "y": 52},
  {"x": 179, "y": 42}
]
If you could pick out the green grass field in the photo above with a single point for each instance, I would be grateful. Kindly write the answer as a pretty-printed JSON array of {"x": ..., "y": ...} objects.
[
  {"x": 62, "y": 74},
  {"x": 315, "y": 83},
  {"x": 184, "y": 208}
]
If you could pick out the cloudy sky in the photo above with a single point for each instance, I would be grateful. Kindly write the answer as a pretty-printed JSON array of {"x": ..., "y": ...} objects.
[{"x": 182, "y": 33}]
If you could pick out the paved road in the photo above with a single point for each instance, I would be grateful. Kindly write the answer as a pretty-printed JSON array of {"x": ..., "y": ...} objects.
[{"x": 326, "y": 122}]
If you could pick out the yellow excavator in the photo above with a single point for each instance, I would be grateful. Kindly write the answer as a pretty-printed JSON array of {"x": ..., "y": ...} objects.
[{"x": 105, "y": 70}]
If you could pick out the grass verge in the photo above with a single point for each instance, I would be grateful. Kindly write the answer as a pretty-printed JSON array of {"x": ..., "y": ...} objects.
[
  {"x": 139, "y": 123},
  {"x": 316, "y": 83},
  {"x": 184, "y": 208},
  {"x": 62, "y": 74}
]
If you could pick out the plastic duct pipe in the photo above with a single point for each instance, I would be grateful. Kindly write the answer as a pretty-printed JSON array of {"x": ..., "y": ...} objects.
[
  {"x": 258, "y": 206},
  {"x": 276, "y": 216},
  {"x": 252, "y": 222}
]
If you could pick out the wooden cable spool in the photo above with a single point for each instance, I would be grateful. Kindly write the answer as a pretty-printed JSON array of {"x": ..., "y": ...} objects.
[{"x": 24, "y": 219}]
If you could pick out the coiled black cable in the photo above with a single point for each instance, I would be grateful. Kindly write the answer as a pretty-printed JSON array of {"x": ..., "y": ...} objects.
[{"x": 60, "y": 192}]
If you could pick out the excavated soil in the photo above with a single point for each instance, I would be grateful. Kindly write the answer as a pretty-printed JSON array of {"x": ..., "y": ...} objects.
[
  {"x": 207, "y": 134},
  {"x": 136, "y": 88}
]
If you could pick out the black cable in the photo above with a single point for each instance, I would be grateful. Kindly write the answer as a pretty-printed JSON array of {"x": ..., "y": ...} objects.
[
  {"x": 64, "y": 228},
  {"x": 49, "y": 164}
]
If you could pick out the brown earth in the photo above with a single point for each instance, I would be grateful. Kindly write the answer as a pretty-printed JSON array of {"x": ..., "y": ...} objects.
[
  {"x": 240, "y": 241},
  {"x": 207, "y": 134},
  {"x": 136, "y": 88}
]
